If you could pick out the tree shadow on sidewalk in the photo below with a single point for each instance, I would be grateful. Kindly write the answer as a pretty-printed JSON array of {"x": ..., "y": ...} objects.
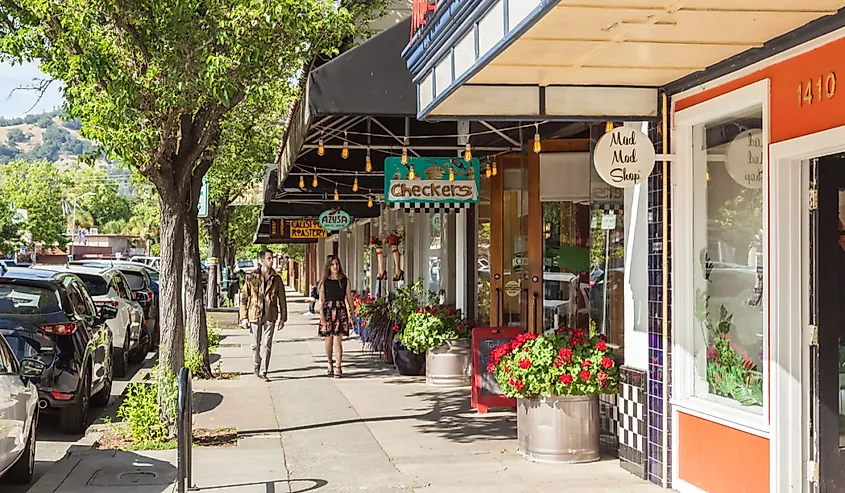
[
  {"x": 452, "y": 417},
  {"x": 277, "y": 486}
]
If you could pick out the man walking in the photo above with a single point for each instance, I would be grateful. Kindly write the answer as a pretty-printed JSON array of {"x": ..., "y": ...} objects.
[{"x": 263, "y": 310}]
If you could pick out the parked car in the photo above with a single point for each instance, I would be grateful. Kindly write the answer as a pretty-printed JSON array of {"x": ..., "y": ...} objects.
[
  {"x": 108, "y": 286},
  {"x": 55, "y": 315},
  {"x": 154, "y": 262},
  {"x": 144, "y": 290},
  {"x": 18, "y": 415},
  {"x": 247, "y": 266}
]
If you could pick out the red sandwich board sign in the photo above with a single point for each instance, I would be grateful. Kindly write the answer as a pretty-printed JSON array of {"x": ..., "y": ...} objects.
[{"x": 486, "y": 392}]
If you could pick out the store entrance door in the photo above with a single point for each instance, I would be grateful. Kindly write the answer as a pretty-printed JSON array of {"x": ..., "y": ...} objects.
[{"x": 829, "y": 363}]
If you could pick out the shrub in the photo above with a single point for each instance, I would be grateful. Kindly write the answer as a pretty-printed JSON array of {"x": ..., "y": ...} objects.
[
  {"x": 432, "y": 326},
  {"x": 141, "y": 410}
]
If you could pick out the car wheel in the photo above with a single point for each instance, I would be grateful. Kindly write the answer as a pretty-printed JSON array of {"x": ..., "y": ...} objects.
[
  {"x": 74, "y": 419},
  {"x": 21, "y": 472},
  {"x": 101, "y": 398},
  {"x": 121, "y": 358},
  {"x": 143, "y": 348}
]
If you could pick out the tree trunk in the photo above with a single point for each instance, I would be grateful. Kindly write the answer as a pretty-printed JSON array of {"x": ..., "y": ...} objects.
[
  {"x": 171, "y": 313},
  {"x": 195, "y": 309}
]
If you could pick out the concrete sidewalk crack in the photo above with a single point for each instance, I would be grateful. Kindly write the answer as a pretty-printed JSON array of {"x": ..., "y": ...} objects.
[{"x": 281, "y": 442}]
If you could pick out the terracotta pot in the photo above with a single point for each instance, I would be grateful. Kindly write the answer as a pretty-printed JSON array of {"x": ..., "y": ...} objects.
[
  {"x": 449, "y": 365},
  {"x": 559, "y": 429}
]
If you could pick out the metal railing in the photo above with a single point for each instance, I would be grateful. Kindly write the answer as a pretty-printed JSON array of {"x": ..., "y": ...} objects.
[{"x": 185, "y": 432}]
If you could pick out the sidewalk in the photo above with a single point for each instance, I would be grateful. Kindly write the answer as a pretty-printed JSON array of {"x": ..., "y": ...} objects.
[{"x": 370, "y": 431}]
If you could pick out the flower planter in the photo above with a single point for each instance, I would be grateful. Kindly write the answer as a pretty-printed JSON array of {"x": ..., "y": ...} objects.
[
  {"x": 449, "y": 365},
  {"x": 387, "y": 355},
  {"x": 559, "y": 429},
  {"x": 407, "y": 363}
]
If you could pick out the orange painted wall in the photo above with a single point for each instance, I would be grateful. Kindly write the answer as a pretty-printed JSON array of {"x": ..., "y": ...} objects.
[
  {"x": 788, "y": 120},
  {"x": 719, "y": 459}
]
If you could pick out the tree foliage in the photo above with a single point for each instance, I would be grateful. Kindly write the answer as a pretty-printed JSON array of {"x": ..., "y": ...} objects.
[
  {"x": 102, "y": 199},
  {"x": 10, "y": 234},
  {"x": 36, "y": 187}
]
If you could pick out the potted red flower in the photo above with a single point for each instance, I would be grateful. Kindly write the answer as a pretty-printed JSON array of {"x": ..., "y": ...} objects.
[
  {"x": 557, "y": 379},
  {"x": 375, "y": 242},
  {"x": 394, "y": 239}
]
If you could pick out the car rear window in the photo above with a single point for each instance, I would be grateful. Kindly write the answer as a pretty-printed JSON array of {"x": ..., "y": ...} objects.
[
  {"x": 16, "y": 299},
  {"x": 136, "y": 280},
  {"x": 22, "y": 346},
  {"x": 95, "y": 285}
]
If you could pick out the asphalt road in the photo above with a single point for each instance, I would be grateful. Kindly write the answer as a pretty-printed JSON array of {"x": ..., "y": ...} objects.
[{"x": 52, "y": 444}]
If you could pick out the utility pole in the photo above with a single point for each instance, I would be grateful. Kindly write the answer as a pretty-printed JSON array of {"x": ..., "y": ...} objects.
[{"x": 73, "y": 225}]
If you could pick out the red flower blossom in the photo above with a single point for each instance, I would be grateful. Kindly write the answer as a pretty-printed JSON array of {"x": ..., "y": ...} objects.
[
  {"x": 585, "y": 375},
  {"x": 603, "y": 337},
  {"x": 565, "y": 353},
  {"x": 603, "y": 378},
  {"x": 586, "y": 363},
  {"x": 491, "y": 367},
  {"x": 566, "y": 379},
  {"x": 507, "y": 367},
  {"x": 607, "y": 363},
  {"x": 395, "y": 328},
  {"x": 558, "y": 362},
  {"x": 525, "y": 364},
  {"x": 579, "y": 333},
  {"x": 601, "y": 346},
  {"x": 519, "y": 385}
]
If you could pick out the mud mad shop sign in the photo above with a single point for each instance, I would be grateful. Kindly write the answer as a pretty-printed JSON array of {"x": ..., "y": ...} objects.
[
  {"x": 431, "y": 180},
  {"x": 335, "y": 220},
  {"x": 744, "y": 159},
  {"x": 624, "y": 157}
]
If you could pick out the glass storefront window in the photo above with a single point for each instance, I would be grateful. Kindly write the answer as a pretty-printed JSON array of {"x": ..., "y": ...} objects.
[
  {"x": 434, "y": 269},
  {"x": 729, "y": 258},
  {"x": 483, "y": 254},
  {"x": 566, "y": 263}
]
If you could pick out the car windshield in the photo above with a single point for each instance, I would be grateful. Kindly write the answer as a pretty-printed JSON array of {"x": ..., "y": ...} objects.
[
  {"x": 135, "y": 279},
  {"x": 19, "y": 299},
  {"x": 96, "y": 285},
  {"x": 245, "y": 263}
]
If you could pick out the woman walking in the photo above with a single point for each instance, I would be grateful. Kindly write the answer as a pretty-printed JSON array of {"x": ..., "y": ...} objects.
[{"x": 335, "y": 315}]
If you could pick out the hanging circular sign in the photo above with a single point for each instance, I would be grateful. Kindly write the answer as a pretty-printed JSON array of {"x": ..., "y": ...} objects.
[
  {"x": 334, "y": 220},
  {"x": 512, "y": 288},
  {"x": 624, "y": 157},
  {"x": 744, "y": 159}
]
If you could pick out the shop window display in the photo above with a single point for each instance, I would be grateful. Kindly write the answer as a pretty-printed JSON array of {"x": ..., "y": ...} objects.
[{"x": 728, "y": 234}]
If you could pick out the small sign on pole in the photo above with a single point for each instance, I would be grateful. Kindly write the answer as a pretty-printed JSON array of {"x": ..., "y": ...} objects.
[{"x": 202, "y": 205}]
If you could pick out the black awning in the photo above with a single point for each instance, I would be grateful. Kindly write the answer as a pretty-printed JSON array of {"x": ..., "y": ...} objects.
[
  {"x": 370, "y": 79},
  {"x": 294, "y": 210}
]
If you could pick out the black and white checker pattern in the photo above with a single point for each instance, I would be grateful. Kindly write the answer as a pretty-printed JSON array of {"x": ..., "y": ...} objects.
[
  {"x": 632, "y": 416},
  {"x": 609, "y": 424},
  {"x": 428, "y": 207}
]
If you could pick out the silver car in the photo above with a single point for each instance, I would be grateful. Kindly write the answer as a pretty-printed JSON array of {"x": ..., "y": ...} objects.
[{"x": 18, "y": 415}]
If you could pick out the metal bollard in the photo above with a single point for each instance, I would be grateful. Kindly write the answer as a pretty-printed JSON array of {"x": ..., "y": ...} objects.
[{"x": 184, "y": 432}]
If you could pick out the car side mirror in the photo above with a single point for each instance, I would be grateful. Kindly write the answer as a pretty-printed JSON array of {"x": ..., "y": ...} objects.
[
  {"x": 31, "y": 368},
  {"x": 107, "y": 312}
]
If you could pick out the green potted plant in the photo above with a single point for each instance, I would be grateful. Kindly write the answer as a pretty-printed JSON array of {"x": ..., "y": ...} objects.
[
  {"x": 446, "y": 339},
  {"x": 405, "y": 302},
  {"x": 557, "y": 379}
]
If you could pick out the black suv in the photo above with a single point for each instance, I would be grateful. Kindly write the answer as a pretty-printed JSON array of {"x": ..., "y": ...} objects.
[{"x": 52, "y": 314}]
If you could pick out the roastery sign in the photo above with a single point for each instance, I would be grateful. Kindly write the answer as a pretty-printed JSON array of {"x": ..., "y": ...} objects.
[{"x": 624, "y": 157}]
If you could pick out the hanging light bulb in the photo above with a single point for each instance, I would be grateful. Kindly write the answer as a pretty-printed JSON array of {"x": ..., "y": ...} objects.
[
  {"x": 301, "y": 181},
  {"x": 370, "y": 203},
  {"x": 345, "y": 152},
  {"x": 321, "y": 148},
  {"x": 467, "y": 153},
  {"x": 404, "y": 155},
  {"x": 487, "y": 171},
  {"x": 451, "y": 174},
  {"x": 355, "y": 183},
  {"x": 336, "y": 195},
  {"x": 608, "y": 127},
  {"x": 368, "y": 167},
  {"x": 314, "y": 182},
  {"x": 537, "y": 146},
  {"x": 707, "y": 175},
  {"x": 411, "y": 174},
  {"x": 495, "y": 169}
]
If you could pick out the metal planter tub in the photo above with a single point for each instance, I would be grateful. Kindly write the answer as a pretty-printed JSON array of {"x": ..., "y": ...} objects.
[
  {"x": 559, "y": 429},
  {"x": 449, "y": 365}
]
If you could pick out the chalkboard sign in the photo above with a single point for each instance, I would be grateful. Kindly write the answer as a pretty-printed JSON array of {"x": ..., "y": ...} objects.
[{"x": 485, "y": 390}]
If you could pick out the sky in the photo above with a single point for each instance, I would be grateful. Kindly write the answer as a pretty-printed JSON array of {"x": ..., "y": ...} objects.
[{"x": 19, "y": 103}]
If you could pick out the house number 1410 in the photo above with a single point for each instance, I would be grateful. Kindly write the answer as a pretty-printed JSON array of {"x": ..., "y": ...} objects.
[{"x": 824, "y": 85}]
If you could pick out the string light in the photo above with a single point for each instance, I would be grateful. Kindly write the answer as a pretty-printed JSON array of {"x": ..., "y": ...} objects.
[
  {"x": 321, "y": 148},
  {"x": 451, "y": 174},
  {"x": 345, "y": 152},
  {"x": 368, "y": 167},
  {"x": 467, "y": 153},
  {"x": 495, "y": 169},
  {"x": 301, "y": 181},
  {"x": 370, "y": 202},
  {"x": 537, "y": 145},
  {"x": 411, "y": 174},
  {"x": 487, "y": 171},
  {"x": 336, "y": 195},
  {"x": 707, "y": 175},
  {"x": 314, "y": 182},
  {"x": 404, "y": 155},
  {"x": 608, "y": 127},
  {"x": 355, "y": 183}
]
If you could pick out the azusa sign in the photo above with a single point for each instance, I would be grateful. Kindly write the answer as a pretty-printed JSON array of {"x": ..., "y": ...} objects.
[{"x": 335, "y": 220}]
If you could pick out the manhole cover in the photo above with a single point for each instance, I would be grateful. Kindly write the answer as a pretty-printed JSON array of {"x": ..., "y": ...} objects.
[{"x": 136, "y": 477}]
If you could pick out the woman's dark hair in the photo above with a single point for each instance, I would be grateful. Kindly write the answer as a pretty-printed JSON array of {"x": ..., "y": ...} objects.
[{"x": 327, "y": 271}]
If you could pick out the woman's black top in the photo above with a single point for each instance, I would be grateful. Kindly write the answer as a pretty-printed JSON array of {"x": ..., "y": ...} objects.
[{"x": 335, "y": 289}]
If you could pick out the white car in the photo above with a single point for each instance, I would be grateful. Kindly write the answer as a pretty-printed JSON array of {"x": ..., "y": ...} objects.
[
  {"x": 247, "y": 266},
  {"x": 108, "y": 286},
  {"x": 18, "y": 415},
  {"x": 154, "y": 262}
]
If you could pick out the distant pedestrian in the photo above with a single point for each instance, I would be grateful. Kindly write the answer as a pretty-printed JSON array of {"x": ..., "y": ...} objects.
[
  {"x": 335, "y": 312},
  {"x": 263, "y": 310},
  {"x": 315, "y": 297}
]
